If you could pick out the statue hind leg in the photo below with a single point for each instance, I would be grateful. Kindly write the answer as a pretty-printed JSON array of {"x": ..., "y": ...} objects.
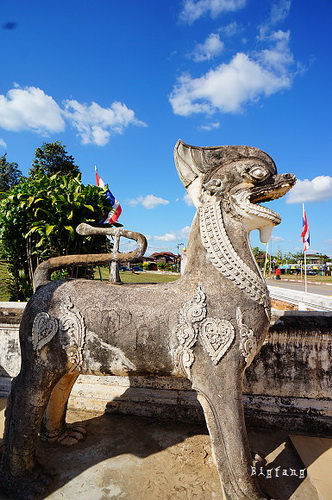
[
  {"x": 220, "y": 394},
  {"x": 54, "y": 427}
]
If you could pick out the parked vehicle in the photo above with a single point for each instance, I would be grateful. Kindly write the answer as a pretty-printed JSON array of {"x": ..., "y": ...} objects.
[
  {"x": 137, "y": 268},
  {"x": 124, "y": 268}
]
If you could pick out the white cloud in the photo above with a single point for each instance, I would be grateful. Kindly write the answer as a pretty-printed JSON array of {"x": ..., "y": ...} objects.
[
  {"x": 194, "y": 9},
  {"x": 149, "y": 201},
  {"x": 277, "y": 238},
  {"x": 319, "y": 189},
  {"x": 166, "y": 237},
  {"x": 211, "y": 47},
  {"x": 95, "y": 124},
  {"x": 30, "y": 108},
  {"x": 231, "y": 29},
  {"x": 279, "y": 12},
  {"x": 228, "y": 87},
  {"x": 210, "y": 126},
  {"x": 188, "y": 201},
  {"x": 279, "y": 57},
  {"x": 174, "y": 235},
  {"x": 2, "y": 143},
  {"x": 247, "y": 77}
]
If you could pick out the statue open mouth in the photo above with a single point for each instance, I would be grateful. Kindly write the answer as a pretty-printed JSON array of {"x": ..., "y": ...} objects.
[
  {"x": 257, "y": 216},
  {"x": 282, "y": 184}
]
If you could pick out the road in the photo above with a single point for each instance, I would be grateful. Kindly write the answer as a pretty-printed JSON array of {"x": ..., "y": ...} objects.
[{"x": 320, "y": 289}]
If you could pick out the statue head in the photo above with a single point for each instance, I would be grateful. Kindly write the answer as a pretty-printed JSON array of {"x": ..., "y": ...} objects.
[{"x": 239, "y": 177}]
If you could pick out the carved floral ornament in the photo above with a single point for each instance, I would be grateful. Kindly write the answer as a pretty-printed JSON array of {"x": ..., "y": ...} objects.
[
  {"x": 193, "y": 312},
  {"x": 70, "y": 326},
  {"x": 216, "y": 335},
  {"x": 248, "y": 343}
]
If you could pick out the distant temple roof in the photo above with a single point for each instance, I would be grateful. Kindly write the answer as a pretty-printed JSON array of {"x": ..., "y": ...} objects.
[{"x": 162, "y": 254}]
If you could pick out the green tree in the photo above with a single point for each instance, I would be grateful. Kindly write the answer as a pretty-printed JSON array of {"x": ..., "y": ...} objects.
[
  {"x": 259, "y": 256},
  {"x": 38, "y": 218},
  {"x": 290, "y": 258},
  {"x": 52, "y": 158},
  {"x": 10, "y": 175},
  {"x": 294, "y": 258},
  {"x": 280, "y": 258}
]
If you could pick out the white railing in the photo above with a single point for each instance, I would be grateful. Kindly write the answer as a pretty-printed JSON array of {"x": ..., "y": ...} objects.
[{"x": 303, "y": 300}]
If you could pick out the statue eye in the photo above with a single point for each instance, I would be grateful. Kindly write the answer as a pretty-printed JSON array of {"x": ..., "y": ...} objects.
[{"x": 258, "y": 173}]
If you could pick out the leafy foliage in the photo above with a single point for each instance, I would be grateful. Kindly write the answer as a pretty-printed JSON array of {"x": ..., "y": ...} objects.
[
  {"x": 38, "y": 218},
  {"x": 4, "y": 277},
  {"x": 10, "y": 175},
  {"x": 259, "y": 256},
  {"x": 52, "y": 158}
]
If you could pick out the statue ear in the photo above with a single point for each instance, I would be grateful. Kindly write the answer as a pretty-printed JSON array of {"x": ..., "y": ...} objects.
[
  {"x": 192, "y": 167},
  {"x": 186, "y": 162}
]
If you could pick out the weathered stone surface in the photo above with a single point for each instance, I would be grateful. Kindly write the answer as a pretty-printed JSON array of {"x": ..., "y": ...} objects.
[
  {"x": 283, "y": 394},
  {"x": 306, "y": 337},
  {"x": 207, "y": 326},
  {"x": 10, "y": 352},
  {"x": 299, "y": 393}
]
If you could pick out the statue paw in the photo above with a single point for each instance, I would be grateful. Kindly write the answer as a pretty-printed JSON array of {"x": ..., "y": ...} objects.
[{"x": 70, "y": 436}]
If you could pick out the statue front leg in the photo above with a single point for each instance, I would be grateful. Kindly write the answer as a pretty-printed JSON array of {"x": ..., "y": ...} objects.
[
  {"x": 22, "y": 477},
  {"x": 220, "y": 394}
]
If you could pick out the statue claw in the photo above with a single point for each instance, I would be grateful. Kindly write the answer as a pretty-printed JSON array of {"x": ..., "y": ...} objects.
[{"x": 72, "y": 435}]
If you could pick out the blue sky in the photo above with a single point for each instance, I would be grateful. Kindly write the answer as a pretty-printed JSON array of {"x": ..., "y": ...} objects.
[{"x": 119, "y": 82}]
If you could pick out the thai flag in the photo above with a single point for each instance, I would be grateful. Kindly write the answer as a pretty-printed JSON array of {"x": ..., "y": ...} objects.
[
  {"x": 305, "y": 235},
  {"x": 115, "y": 207}
]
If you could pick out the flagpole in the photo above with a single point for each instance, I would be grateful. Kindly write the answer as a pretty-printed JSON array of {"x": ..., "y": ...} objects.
[
  {"x": 305, "y": 259},
  {"x": 305, "y": 272},
  {"x": 265, "y": 262},
  {"x": 112, "y": 216}
]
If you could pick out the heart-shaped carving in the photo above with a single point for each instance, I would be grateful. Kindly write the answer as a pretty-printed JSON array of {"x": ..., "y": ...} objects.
[
  {"x": 217, "y": 336},
  {"x": 43, "y": 329}
]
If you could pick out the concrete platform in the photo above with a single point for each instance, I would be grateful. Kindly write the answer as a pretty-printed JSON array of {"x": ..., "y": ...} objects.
[
  {"x": 316, "y": 454},
  {"x": 137, "y": 458}
]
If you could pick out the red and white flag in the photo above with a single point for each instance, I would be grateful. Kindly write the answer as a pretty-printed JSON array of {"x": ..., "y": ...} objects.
[
  {"x": 305, "y": 235},
  {"x": 114, "y": 206}
]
